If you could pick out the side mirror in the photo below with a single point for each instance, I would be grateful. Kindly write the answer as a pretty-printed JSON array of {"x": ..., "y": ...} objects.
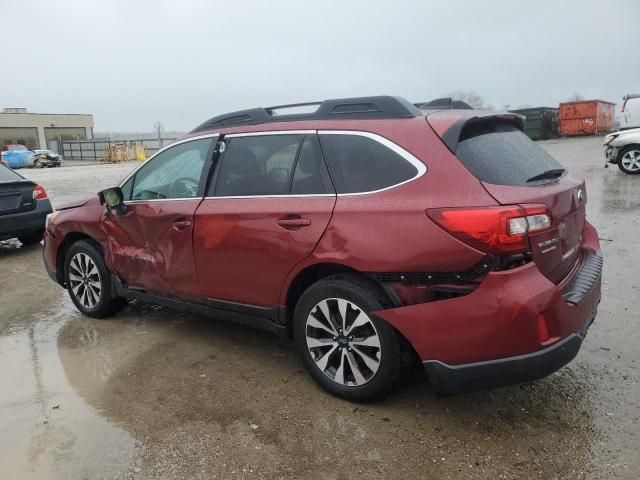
[{"x": 113, "y": 199}]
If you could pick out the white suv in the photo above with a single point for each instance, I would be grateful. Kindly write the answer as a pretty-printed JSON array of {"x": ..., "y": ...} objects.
[{"x": 630, "y": 111}]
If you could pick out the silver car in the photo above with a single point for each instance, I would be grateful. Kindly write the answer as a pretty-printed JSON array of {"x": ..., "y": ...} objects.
[
  {"x": 623, "y": 149},
  {"x": 47, "y": 158}
]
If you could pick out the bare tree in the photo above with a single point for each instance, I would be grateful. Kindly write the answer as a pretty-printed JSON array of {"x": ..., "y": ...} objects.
[
  {"x": 576, "y": 97},
  {"x": 471, "y": 98}
]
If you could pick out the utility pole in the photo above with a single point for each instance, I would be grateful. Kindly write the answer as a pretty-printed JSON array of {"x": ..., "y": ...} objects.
[{"x": 158, "y": 127}]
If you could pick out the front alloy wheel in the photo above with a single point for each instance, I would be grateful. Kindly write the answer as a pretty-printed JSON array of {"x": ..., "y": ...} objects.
[
  {"x": 84, "y": 280},
  {"x": 343, "y": 342},
  {"x": 629, "y": 160},
  {"x": 89, "y": 282}
]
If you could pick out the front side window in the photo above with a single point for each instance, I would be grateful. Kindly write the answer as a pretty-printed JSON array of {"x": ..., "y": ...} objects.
[
  {"x": 257, "y": 165},
  {"x": 174, "y": 173},
  {"x": 361, "y": 164}
]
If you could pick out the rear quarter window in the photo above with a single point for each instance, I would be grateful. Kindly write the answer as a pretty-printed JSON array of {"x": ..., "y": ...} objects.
[
  {"x": 501, "y": 154},
  {"x": 361, "y": 164},
  {"x": 8, "y": 175}
]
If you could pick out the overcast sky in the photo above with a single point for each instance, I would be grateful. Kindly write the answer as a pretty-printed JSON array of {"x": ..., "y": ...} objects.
[{"x": 130, "y": 63}]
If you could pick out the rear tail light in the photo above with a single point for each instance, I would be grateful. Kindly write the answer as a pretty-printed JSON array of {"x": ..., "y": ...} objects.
[
  {"x": 39, "y": 192},
  {"x": 497, "y": 230}
]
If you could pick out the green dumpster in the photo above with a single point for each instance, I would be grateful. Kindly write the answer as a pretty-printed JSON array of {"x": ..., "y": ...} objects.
[{"x": 541, "y": 122}]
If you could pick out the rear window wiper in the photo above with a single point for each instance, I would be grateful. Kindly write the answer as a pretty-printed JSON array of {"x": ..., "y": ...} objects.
[{"x": 547, "y": 175}]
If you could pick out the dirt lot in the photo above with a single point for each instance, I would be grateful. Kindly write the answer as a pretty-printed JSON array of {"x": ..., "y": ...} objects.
[{"x": 153, "y": 393}]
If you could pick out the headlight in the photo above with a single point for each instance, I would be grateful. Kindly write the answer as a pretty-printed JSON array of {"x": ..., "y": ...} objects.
[{"x": 49, "y": 219}]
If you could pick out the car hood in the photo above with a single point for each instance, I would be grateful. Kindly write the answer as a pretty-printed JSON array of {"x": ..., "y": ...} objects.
[
  {"x": 621, "y": 134},
  {"x": 625, "y": 132},
  {"x": 79, "y": 203}
]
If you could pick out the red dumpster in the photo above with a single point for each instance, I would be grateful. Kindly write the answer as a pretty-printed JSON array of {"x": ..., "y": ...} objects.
[{"x": 588, "y": 117}]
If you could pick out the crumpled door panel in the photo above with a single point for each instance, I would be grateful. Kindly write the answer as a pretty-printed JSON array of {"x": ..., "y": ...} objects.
[{"x": 150, "y": 246}]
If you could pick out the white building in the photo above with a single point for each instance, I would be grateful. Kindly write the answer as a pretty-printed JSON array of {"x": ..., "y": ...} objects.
[{"x": 42, "y": 130}]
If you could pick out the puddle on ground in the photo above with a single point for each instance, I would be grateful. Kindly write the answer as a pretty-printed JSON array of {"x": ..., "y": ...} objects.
[
  {"x": 161, "y": 394},
  {"x": 46, "y": 428}
]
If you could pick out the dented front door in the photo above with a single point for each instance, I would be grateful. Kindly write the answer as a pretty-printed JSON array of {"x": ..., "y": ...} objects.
[{"x": 149, "y": 245}]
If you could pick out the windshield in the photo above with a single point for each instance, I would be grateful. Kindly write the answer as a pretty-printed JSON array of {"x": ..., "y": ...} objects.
[{"x": 501, "y": 154}]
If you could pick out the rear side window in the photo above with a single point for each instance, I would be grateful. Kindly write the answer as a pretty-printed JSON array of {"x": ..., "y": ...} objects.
[
  {"x": 501, "y": 154},
  {"x": 8, "y": 175},
  {"x": 362, "y": 164},
  {"x": 258, "y": 165}
]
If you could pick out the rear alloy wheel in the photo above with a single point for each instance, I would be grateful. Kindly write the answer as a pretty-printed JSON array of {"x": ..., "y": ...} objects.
[
  {"x": 89, "y": 282},
  {"x": 346, "y": 349},
  {"x": 629, "y": 160},
  {"x": 343, "y": 342}
]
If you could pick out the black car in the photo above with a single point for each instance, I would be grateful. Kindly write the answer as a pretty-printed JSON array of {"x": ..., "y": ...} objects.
[{"x": 24, "y": 207}]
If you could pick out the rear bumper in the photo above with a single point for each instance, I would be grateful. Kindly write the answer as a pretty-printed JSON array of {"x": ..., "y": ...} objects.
[
  {"x": 449, "y": 379},
  {"x": 13, "y": 225},
  {"x": 516, "y": 326}
]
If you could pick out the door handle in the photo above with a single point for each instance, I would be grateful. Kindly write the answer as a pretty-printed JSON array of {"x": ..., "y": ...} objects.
[
  {"x": 293, "y": 222},
  {"x": 182, "y": 225}
]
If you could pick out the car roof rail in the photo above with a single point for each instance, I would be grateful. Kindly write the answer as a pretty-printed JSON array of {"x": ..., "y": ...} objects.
[
  {"x": 383, "y": 106},
  {"x": 444, "y": 103}
]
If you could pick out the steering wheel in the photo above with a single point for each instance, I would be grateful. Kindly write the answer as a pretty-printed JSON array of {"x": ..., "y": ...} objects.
[{"x": 183, "y": 185}]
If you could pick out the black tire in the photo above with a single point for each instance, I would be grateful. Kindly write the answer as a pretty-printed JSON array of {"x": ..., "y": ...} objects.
[
  {"x": 623, "y": 152},
  {"x": 31, "y": 237},
  {"x": 107, "y": 302},
  {"x": 367, "y": 296},
  {"x": 38, "y": 164}
]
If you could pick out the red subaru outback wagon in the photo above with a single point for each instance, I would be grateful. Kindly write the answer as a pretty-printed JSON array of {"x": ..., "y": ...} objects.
[{"x": 371, "y": 231}]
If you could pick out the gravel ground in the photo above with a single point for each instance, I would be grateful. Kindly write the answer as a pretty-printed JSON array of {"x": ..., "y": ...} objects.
[{"x": 153, "y": 393}]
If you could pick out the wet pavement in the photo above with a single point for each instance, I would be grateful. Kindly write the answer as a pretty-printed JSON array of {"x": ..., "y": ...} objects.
[{"x": 153, "y": 393}]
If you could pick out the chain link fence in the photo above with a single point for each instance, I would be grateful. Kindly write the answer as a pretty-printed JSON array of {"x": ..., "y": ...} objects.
[{"x": 112, "y": 150}]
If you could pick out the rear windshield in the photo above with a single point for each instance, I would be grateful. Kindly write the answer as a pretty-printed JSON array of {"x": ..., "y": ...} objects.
[
  {"x": 8, "y": 175},
  {"x": 501, "y": 154}
]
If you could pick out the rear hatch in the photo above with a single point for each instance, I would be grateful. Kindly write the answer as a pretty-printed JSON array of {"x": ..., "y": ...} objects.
[
  {"x": 516, "y": 171},
  {"x": 16, "y": 192}
]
